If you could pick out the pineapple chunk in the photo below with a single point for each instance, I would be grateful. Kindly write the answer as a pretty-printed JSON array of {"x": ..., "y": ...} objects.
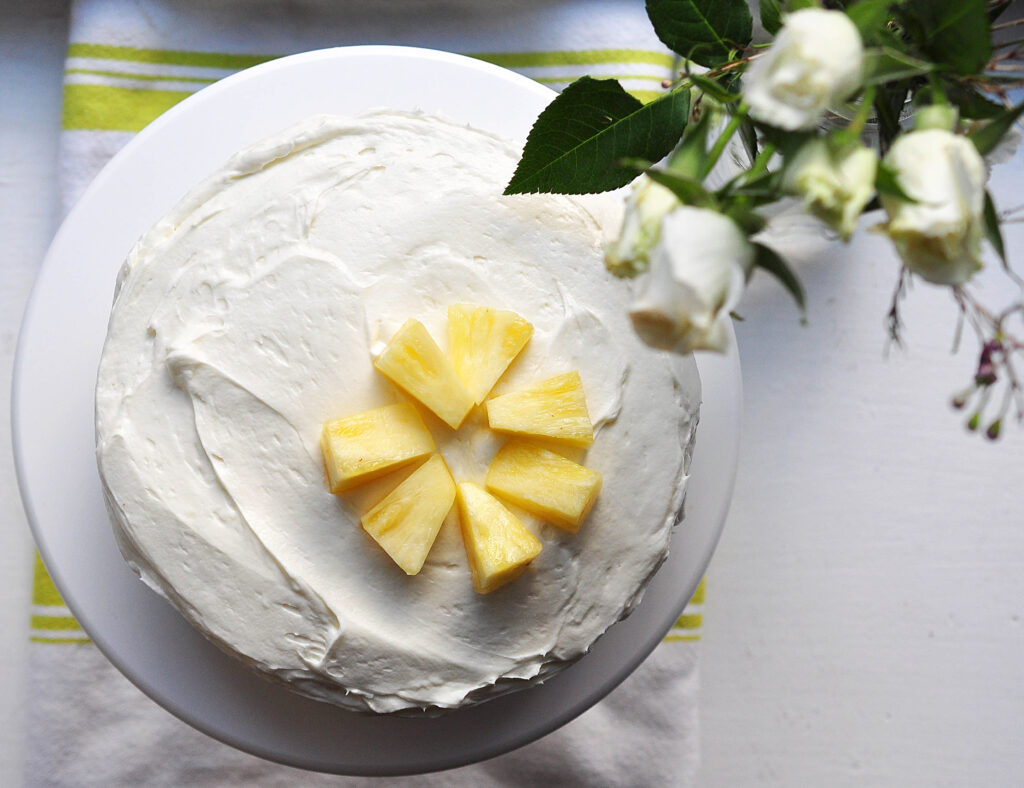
[
  {"x": 484, "y": 342},
  {"x": 362, "y": 447},
  {"x": 406, "y": 522},
  {"x": 413, "y": 361},
  {"x": 544, "y": 483},
  {"x": 498, "y": 545},
  {"x": 554, "y": 409}
]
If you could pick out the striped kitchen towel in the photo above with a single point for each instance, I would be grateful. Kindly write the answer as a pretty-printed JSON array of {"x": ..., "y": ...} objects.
[{"x": 128, "y": 61}]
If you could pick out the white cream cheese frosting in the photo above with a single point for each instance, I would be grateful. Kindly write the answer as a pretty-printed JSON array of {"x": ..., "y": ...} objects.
[{"x": 249, "y": 315}]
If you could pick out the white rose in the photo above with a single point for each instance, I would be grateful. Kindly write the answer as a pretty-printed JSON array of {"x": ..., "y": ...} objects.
[
  {"x": 816, "y": 61},
  {"x": 646, "y": 206},
  {"x": 939, "y": 236},
  {"x": 835, "y": 185},
  {"x": 696, "y": 279}
]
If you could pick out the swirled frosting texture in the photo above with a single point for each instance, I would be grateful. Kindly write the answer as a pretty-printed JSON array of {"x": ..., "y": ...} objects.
[{"x": 248, "y": 316}]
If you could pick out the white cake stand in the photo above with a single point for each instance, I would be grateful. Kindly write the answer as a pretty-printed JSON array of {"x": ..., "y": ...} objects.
[{"x": 52, "y": 420}]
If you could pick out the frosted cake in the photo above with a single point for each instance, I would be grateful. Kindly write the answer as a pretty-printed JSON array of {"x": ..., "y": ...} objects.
[{"x": 251, "y": 315}]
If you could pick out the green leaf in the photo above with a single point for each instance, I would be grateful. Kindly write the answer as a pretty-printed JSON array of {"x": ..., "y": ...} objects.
[
  {"x": 704, "y": 31},
  {"x": 972, "y": 103},
  {"x": 993, "y": 231},
  {"x": 689, "y": 158},
  {"x": 770, "y": 261},
  {"x": 689, "y": 190},
  {"x": 884, "y": 64},
  {"x": 987, "y": 137},
  {"x": 576, "y": 143},
  {"x": 748, "y": 135},
  {"x": 888, "y": 182},
  {"x": 787, "y": 142},
  {"x": 746, "y": 218},
  {"x": 889, "y": 103},
  {"x": 757, "y": 192},
  {"x": 996, "y": 9},
  {"x": 870, "y": 17},
  {"x": 713, "y": 89},
  {"x": 952, "y": 32},
  {"x": 771, "y": 16}
]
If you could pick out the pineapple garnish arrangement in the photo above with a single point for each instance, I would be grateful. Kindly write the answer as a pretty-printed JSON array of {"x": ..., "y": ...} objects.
[
  {"x": 370, "y": 444},
  {"x": 498, "y": 545},
  {"x": 544, "y": 483},
  {"x": 484, "y": 342},
  {"x": 553, "y": 409},
  {"x": 413, "y": 361},
  {"x": 365, "y": 446},
  {"x": 406, "y": 522}
]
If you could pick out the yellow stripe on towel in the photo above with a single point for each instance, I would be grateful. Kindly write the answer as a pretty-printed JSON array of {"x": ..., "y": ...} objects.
[
  {"x": 698, "y": 595},
  {"x": 589, "y": 57},
  {"x": 95, "y": 72},
  {"x": 171, "y": 57},
  {"x": 51, "y": 621},
  {"x": 689, "y": 621},
  {"x": 688, "y": 625},
  {"x": 44, "y": 592},
  {"x": 105, "y": 108},
  {"x": 174, "y": 57}
]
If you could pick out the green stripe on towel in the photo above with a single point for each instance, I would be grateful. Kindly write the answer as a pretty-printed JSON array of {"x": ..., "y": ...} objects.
[
  {"x": 61, "y": 641},
  {"x": 55, "y": 623},
  {"x": 172, "y": 57},
  {"x": 675, "y": 638},
  {"x": 94, "y": 72},
  {"x": 689, "y": 621},
  {"x": 590, "y": 57},
  {"x": 177, "y": 57},
  {"x": 105, "y": 108},
  {"x": 44, "y": 592},
  {"x": 112, "y": 108},
  {"x": 620, "y": 77},
  {"x": 687, "y": 626},
  {"x": 645, "y": 96},
  {"x": 54, "y": 629},
  {"x": 698, "y": 595}
]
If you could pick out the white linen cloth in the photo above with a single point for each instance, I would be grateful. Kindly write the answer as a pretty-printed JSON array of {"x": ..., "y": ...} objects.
[{"x": 128, "y": 60}]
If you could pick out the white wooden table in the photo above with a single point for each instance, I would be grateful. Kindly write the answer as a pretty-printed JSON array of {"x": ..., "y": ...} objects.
[{"x": 863, "y": 623}]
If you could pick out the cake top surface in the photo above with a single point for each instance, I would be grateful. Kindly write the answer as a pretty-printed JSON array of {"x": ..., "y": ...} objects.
[{"x": 250, "y": 315}]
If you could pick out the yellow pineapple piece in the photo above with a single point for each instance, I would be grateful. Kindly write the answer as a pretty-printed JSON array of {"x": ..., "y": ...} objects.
[
  {"x": 498, "y": 545},
  {"x": 367, "y": 445},
  {"x": 413, "y": 361},
  {"x": 544, "y": 483},
  {"x": 555, "y": 408},
  {"x": 406, "y": 522},
  {"x": 483, "y": 343}
]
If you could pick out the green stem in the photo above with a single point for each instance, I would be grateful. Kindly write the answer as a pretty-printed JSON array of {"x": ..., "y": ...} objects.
[
  {"x": 938, "y": 92},
  {"x": 760, "y": 164},
  {"x": 727, "y": 133},
  {"x": 1012, "y": 42},
  {"x": 1004, "y": 25},
  {"x": 867, "y": 104}
]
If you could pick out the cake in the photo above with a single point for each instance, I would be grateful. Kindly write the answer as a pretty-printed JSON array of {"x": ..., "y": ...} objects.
[{"x": 251, "y": 315}]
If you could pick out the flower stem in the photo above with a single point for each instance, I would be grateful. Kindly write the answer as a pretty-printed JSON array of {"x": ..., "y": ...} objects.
[
  {"x": 867, "y": 104},
  {"x": 938, "y": 91},
  {"x": 760, "y": 164},
  {"x": 1005, "y": 25},
  {"x": 723, "y": 140}
]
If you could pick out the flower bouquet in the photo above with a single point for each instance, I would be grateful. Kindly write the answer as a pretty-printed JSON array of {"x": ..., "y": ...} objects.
[{"x": 886, "y": 108}]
